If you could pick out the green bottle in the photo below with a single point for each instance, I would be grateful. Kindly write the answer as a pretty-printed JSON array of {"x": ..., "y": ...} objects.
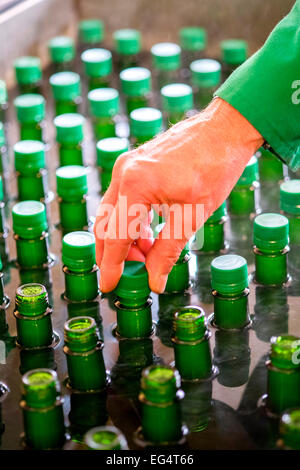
[
  {"x": 4, "y": 299},
  {"x": 179, "y": 278},
  {"x": 145, "y": 123},
  {"x": 28, "y": 74},
  {"x": 205, "y": 77},
  {"x": 127, "y": 45},
  {"x": 192, "y": 42},
  {"x": 160, "y": 400},
  {"x": 108, "y": 151},
  {"x": 31, "y": 234},
  {"x": 271, "y": 238},
  {"x": 3, "y": 101},
  {"x": 290, "y": 429},
  {"x": 283, "y": 374},
  {"x": 3, "y": 150},
  {"x": 3, "y": 227},
  {"x": 33, "y": 317},
  {"x": 32, "y": 176},
  {"x": 90, "y": 32},
  {"x": 97, "y": 65},
  {"x": 270, "y": 167},
  {"x": 69, "y": 136},
  {"x": 133, "y": 304},
  {"x": 105, "y": 438},
  {"x": 42, "y": 407},
  {"x": 66, "y": 91},
  {"x": 62, "y": 53},
  {"x": 244, "y": 198},
  {"x": 177, "y": 100},
  {"x": 83, "y": 350},
  {"x": 79, "y": 266},
  {"x": 166, "y": 62},
  {"x": 229, "y": 280},
  {"x": 104, "y": 106},
  {"x": 213, "y": 232},
  {"x": 191, "y": 344},
  {"x": 30, "y": 110},
  {"x": 233, "y": 53},
  {"x": 135, "y": 86},
  {"x": 71, "y": 182},
  {"x": 290, "y": 207},
  {"x": 87, "y": 410}
]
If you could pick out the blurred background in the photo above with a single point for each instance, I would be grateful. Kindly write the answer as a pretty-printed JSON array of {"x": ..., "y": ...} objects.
[{"x": 26, "y": 25}]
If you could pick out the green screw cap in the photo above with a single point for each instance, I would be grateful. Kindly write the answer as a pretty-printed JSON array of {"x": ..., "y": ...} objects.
[
  {"x": 61, "y": 49},
  {"x": 134, "y": 282},
  {"x": 29, "y": 219},
  {"x": 65, "y": 86},
  {"x": 290, "y": 428},
  {"x": 71, "y": 181},
  {"x": 135, "y": 81},
  {"x": 160, "y": 383},
  {"x": 234, "y": 51},
  {"x": 78, "y": 251},
  {"x": 69, "y": 128},
  {"x": 3, "y": 93},
  {"x": 229, "y": 274},
  {"x": 1, "y": 199},
  {"x": 108, "y": 151},
  {"x": 81, "y": 334},
  {"x": 30, "y": 108},
  {"x": 166, "y": 56},
  {"x": 206, "y": 73},
  {"x": 127, "y": 41},
  {"x": 40, "y": 388},
  {"x": 290, "y": 196},
  {"x": 91, "y": 31},
  {"x": 250, "y": 173},
  {"x": 271, "y": 232},
  {"x": 29, "y": 156},
  {"x": 192, "y": 38},
  {"x": 104, "y": 102},
  {"x": 145, "y": 122},
  {"x": 285, "y": 352},
  {"x": 28, "y": 70},
  {"x": 97, "y": 62},
  {"x": 2, "y": 135},
  {"x": 177, "y": 97},
  {"x": 189, "y": 324},
  {"x": 105, "y": 438},
  {"x": 218, "y": 214},
  {"x": 31, "y": 300}
]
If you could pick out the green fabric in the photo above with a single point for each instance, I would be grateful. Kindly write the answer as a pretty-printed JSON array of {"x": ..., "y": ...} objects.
[{"x": 264, "y": 87}]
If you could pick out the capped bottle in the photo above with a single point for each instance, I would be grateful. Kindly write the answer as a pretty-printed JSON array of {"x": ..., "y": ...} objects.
[
  {"x": 3, "y": 226},
  {"x": 127, "y": 45},
  {"x": 229, "y": 280},
  {"x": 3, "y": 150},
  {"x": 72, "y": 191},
  {"x": 166, "y": 62},
  {"x": 90, "y": 32},
  {"x": 205, "y": 78},
  {"x": 290, "y": 207},
  {"x": 62, "y": 53},
  {"x": 145, "y": 123},
  {"x": 270, "y": 167},
  {"x": 177, "y": 100},
  {"x": 244, "y": 197},
  {"x": 191, "y": 344},
  {"x": 233, "y": 53},
  {"x": 136, "y": 87},
  {"x": 283, "y": 374},
  {"x": 104, "y": 104},
  {"x": 160, "y": 400},
  {"x": 42, "y": 407},
  {"x": 105, "y": 438},
  {"x": 33, "y": 317},
  {"x": 271, "y": 238},
  {"x": 69, "y": 136},
  {"x": 31, "y": 234},
  {"x": 30, "y": 166},
  {"x": 213, "y": 228},
  {"x": 290, "y": 429},
  {"x": 28, "y": 74},
  {"x": 79, "y": 266},
  {"x": 108, "y": 151},
  {"x": 97, "y": 65},
  {"x": 178, "y": 278},
  {"x": 30, "y": 110},
  {"x": 83, "y": 350},
  {"x": 133, "y": 303},
  {"x": 192, "y": 42},
  {"x": 66, "y": 91},
  {"x": 3, "y": 101}
]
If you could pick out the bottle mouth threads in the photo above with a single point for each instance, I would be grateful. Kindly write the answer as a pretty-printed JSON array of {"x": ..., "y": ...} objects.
[
  {"x": 40, "y": 388},
  {"x": 81, "y": 334},
  {"x": 160, "y": 383},
  {"x": 105, "y": 438},
  {"x": 31, "y": 299},
  {"x": 285, "y": 352},
  {"x": 290, "y": 428},
  {"x": 189, "y": 324}
]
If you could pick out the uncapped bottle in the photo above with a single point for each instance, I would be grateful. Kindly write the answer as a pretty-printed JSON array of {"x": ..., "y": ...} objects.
[
  {"x": 105, "y": 438},
  {"x": 290, "y": 429}
]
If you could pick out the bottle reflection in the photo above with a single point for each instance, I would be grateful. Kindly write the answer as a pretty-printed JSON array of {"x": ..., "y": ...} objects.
[
  {"x": 196, "y": 407},
  {"x": 43, "y": 358},
  {"x": 168, "y": 305},
  {"x": 240, "y": 237},
  {"x": 203, "y": 277}
]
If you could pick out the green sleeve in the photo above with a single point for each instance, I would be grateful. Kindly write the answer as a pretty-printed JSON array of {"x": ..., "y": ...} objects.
[{"x": 266, "y": 89}]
